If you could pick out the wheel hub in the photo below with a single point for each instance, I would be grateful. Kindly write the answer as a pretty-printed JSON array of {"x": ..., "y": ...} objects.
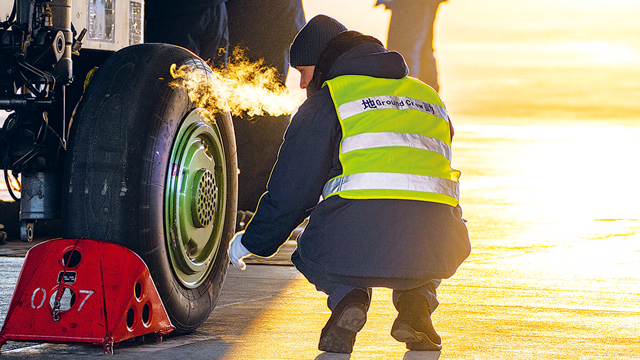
[{"x": 194, "y": 198}]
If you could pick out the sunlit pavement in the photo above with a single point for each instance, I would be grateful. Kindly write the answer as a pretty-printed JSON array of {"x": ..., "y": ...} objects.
[{"x": 554, "y": 274}]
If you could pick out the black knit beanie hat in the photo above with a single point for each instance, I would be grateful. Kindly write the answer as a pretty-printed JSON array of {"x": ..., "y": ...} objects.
[{"x": 312, "y": 38}]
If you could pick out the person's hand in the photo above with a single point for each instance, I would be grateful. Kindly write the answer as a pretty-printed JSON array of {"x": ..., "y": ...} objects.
[{"x": 237, "y": 251}]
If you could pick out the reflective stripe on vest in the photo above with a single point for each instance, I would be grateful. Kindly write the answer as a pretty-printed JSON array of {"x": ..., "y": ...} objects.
[
  {"x": 392, "y": 181},
  {"x": 371, "y": 140},
  {"x": 396, "y": 141}
]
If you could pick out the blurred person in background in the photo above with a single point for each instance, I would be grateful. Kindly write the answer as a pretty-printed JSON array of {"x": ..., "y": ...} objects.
[
  {"x": 263, "y": 30},
  {"x": 376, "y": 145},
  {"x": 411, "y": 34},
  {"x": 198, "y": 25}
]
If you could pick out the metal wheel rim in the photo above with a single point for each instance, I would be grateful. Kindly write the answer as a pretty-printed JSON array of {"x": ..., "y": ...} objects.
[{"x": 195, "y": 198}]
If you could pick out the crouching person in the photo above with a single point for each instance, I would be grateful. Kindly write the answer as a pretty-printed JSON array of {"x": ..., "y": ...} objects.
[{"x": 376, "y": 145}]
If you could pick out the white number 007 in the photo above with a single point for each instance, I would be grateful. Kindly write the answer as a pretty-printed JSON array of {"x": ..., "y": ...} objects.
[{"x": 87, "y": 294}]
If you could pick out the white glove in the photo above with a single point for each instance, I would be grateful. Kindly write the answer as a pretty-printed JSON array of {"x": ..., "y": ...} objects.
[{"x": 237, "y": 251}]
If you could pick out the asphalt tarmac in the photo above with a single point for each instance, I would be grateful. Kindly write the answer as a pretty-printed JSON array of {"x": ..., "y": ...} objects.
[{"x": 543, "y": 281}]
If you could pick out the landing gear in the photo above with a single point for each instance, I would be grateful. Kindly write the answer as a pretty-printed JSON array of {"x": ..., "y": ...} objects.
[{"x": 150, "y": 171}]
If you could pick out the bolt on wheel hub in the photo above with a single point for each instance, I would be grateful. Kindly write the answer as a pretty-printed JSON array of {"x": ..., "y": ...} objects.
[{"x": 204, "y": 199}]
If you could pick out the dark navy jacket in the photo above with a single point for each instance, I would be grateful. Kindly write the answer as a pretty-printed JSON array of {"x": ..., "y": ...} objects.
[{"x": 368, "y": 238}]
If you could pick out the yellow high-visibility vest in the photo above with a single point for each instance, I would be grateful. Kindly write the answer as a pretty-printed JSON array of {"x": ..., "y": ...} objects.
[{"x": 396, "y": 141}]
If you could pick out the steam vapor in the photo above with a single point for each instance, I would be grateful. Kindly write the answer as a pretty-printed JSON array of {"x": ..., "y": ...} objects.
[{"x": 243, "y": 86}]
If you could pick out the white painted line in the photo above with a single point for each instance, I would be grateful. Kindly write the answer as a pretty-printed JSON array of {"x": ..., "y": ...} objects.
[
  {"x": 27, "y": 349},
  {"x": 246, "y": 301}
]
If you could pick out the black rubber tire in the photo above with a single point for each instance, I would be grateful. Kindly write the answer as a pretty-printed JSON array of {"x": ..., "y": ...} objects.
[{"x": 117, "y": 167}]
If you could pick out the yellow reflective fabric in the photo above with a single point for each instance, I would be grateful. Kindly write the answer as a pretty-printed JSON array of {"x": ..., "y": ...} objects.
[{"x": 396, "y": 141}]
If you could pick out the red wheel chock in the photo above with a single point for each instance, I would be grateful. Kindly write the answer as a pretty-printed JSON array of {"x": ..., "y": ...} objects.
[{"x": 84, "y": 291}]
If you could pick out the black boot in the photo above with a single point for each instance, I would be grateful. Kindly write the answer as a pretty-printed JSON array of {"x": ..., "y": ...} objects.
[
  {"x": 339, "y": 335},
  {"x": 413, "y": 325}
]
